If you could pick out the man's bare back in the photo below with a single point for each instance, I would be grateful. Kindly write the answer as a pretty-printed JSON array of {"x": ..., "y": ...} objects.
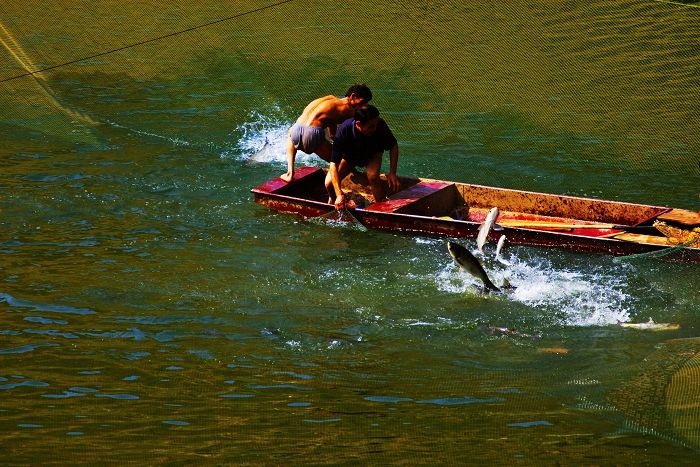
[
  {"x": 316, "y": 125},
  {"x": 326, "y": 111}
]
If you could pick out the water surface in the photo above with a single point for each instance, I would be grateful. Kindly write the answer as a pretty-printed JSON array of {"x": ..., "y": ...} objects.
[{"x": 153, "y": 313}]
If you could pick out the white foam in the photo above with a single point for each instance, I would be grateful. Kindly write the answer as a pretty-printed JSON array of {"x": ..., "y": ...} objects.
[
  {"x": 574, "y": 297},
  {"x": 263, "y": 139}
]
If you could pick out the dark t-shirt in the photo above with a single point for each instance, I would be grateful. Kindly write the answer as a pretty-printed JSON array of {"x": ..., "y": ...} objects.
[{"x": 358, "y": 149}]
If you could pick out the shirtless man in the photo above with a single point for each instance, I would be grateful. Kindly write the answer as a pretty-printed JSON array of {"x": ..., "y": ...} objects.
[{"x": 310, "y": 132}]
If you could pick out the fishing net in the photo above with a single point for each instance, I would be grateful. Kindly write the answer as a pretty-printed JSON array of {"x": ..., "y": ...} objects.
[{"x": 664, "y": 399}]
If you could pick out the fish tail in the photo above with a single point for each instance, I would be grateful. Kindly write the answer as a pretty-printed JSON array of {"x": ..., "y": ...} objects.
[{"x": 490, "y": 285}]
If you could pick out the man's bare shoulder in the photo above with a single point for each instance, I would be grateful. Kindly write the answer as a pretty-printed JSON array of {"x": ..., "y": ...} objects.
[{"x": 330, "y": 99}]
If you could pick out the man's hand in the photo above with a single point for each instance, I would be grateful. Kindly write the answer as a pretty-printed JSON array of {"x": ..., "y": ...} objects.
[
  {"x": 340, "y": 201},
  {"x": 287, "y": 177},
  {"x": 394, "y": 183}
]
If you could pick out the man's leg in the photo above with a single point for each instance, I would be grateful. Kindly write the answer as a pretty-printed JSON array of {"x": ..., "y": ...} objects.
[
  {"x": 324, "y": 151},
  {"x": 374, "y": 168}
]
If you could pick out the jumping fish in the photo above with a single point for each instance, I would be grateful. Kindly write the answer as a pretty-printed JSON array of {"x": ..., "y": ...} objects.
[
  {"x": 469, "y": 263},
  {"x": 485, "y": 228},
  {"x": 499, "y": 247},
  {"x": 651, "y": 326}
]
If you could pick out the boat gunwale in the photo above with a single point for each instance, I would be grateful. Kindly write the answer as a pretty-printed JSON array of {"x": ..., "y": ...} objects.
[{"x": 469, "y": 227}]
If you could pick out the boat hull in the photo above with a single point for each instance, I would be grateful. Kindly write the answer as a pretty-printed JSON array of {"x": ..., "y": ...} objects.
[{"x": 421, "y": 205}]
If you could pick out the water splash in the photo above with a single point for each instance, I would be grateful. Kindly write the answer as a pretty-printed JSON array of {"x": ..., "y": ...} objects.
[
  {"x": 577, "y": 297},
  {"x": 263, "y": 139}
]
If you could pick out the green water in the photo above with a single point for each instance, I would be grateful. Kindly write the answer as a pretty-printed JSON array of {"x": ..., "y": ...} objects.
[{"x": 152, "y": 313}]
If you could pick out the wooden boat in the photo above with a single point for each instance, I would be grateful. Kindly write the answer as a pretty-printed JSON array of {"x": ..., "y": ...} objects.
[{"x": 453, "y": 209}]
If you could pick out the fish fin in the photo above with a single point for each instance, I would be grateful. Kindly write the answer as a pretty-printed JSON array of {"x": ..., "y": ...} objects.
[
  {"x": 497, "y": 227},
  {"x": 506, "y": 285}
]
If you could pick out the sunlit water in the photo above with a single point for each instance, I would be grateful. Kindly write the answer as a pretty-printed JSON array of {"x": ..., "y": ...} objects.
[{"x": 153, "y": 313}]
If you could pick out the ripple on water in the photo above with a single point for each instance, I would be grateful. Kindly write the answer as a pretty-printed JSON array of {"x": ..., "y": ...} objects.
[
  {"x": 121, "y": 396},
  {"x": 49, "y": 308},
  {"x": 175, "y": 422},
  {"x": 64, "y": 395},
  {"x": 299, "y": 404},
  {"x": 26, "y": 348},
  {"x": 42, "y": 320},
  {"x": 530, "y": 424},
  {"x": 460, "y": 400},
  {"x": 24, "y": 383},
  {"x": 388, "y": 399}
]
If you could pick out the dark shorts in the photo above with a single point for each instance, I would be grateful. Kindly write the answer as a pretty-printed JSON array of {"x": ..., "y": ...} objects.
[
  {"x": 362, "y": 160},
  {"x": 307, "y": 138}
]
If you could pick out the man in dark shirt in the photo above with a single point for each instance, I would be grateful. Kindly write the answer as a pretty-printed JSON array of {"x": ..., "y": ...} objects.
[{"x": 361, "y": 141}]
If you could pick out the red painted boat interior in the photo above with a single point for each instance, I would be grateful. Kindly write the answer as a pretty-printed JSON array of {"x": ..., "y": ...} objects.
[{"x": 407, "y": 199}]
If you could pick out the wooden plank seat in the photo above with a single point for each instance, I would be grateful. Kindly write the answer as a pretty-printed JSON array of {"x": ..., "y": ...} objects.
[{"x": 398, "y": 202}]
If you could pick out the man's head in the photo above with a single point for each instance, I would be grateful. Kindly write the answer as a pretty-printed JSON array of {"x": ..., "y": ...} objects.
[
  {"x": 358, "y": 95},
  {"x": 367, "y": 119}
]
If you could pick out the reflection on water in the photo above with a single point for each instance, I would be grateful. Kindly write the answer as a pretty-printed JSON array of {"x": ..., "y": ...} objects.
[{"x": 152, "y": 311}]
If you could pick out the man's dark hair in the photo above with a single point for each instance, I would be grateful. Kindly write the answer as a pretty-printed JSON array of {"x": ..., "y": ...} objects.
[
  {"x": 361, "y": 91},
  {"x": 366, "y": 113}
]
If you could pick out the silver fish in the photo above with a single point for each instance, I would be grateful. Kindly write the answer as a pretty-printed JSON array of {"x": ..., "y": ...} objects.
[
  {"x": 651, "y": 326},
  {"x": 469, "y": 263},
  {"x": 485, "y": 228},
  {"x": 499, "y": 247}
]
